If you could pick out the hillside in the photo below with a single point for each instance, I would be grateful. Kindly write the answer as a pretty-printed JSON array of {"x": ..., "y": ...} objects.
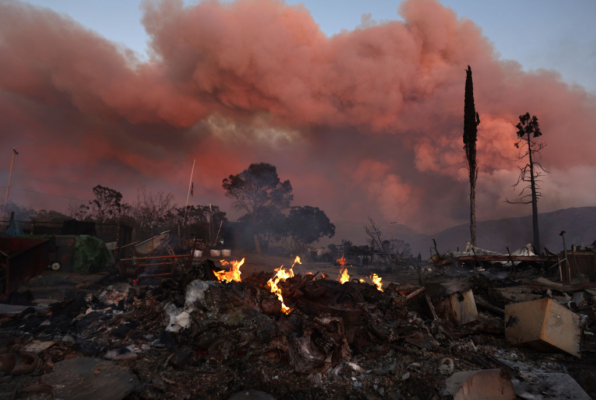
[{"x": 497, "y": 235}]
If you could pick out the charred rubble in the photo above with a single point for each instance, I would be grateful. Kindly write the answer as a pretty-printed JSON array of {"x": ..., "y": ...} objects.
[{"x": 190, "y": 336}]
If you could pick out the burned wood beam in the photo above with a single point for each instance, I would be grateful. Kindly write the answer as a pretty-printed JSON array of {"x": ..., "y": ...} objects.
[
  {"x": 430, "y": 305},
  {"x": 415, "y": 293}
]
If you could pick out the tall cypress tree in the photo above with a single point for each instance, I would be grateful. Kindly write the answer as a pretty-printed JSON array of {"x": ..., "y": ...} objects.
[{"x": 471, "y": 122}]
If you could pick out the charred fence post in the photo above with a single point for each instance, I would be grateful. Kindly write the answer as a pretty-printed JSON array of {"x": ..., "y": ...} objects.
[{"x": 566, "y": 256}]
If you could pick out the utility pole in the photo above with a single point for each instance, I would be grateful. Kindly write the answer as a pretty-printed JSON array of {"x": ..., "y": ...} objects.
[
  {"x": 14, "y": 153},
  {"x": 188, "y": 194},
  {"x": 392, "y": 229}
]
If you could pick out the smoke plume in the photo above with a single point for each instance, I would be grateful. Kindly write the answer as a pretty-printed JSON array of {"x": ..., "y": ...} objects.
[{"x": 365, "y": 122}]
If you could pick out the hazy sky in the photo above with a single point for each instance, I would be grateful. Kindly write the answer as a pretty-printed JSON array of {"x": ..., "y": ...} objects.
[
  {"x": 552, "y": 34},
  {"x": 363, "y": 117}
]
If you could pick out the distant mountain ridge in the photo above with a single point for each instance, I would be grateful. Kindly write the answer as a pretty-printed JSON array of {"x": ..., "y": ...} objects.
[
  {"x": 496, "y": 235},
  {"x": 579, "y": 224}
]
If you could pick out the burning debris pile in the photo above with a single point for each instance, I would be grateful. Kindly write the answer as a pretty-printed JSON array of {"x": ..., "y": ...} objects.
[{"x": 207, "y": 332}]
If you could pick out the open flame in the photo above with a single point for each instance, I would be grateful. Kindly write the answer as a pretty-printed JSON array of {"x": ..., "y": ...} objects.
[
  {"x": 281, "y": 275},
  {"x": 343, "y": 276},
  {"x": 377, "y": 281},
  {"x": 233, "y": 274},
  {"x": 343, "y": 272}
]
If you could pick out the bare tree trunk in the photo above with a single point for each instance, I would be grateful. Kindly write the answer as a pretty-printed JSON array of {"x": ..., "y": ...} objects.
[
  {"x": 534, "y": 202},
  {"x": 257, "y": 244},
  {"x": 473, "y": 213}
]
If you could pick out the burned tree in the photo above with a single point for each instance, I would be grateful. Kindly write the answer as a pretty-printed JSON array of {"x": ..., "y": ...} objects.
[
  {"x": 107, "y": 205},
  {"x": 471, "y": 122},
  {"x": 390, "y": 252},
  {"x": 528, "y": 129},
  {"x": 269, "y": 223},
  {"x": 206, "y": 222},
  {"x": 307, "y": 225},
  {"x": 257, "y": 189},
  {"x": 151, "y": 210}
]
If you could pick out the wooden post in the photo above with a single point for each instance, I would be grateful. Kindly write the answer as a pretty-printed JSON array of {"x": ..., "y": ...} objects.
[
  {"x": 475, "y": 257},
  {"x": 511, "y": 258},
  {"x": 566, "y": 257},
  {"x": 118, "y": 236},
  {"x": 192, "y": 252},
  {"x": 436, "y": 251}
]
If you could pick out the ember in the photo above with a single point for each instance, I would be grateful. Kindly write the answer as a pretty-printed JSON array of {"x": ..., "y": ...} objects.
[
  {"x": 281, "y": 275},
  {"x": 233, "y": 274}
]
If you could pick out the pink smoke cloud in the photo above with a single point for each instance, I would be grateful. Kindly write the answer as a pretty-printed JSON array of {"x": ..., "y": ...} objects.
[{"x": 369, "y": 116}]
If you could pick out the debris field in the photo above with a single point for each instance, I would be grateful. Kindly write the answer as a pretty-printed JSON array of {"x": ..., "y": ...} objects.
[{"x": 208, "y": 333}]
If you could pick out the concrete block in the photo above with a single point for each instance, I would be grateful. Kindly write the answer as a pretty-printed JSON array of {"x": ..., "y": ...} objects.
[{"x": 543, "y": 324}]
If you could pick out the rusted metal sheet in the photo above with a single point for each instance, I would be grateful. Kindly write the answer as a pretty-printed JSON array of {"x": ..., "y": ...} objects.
[
  {"x": 543, "y": 324},
  {"x": 20, "y": 260}
]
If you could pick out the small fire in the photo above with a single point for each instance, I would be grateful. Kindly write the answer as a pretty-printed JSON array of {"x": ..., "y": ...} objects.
[
  {"x": 377, "y": 281},
  {"x": 281, "y": 275},
  {"x": 233, "y": 274},
  {"x": 343, "y": 272},
  {"x": 361, "y": 280},
  {"x": 343, "y": 276}
]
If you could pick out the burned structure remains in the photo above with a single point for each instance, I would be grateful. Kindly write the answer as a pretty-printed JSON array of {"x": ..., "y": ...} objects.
[{"x": 194, "y": 328}]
